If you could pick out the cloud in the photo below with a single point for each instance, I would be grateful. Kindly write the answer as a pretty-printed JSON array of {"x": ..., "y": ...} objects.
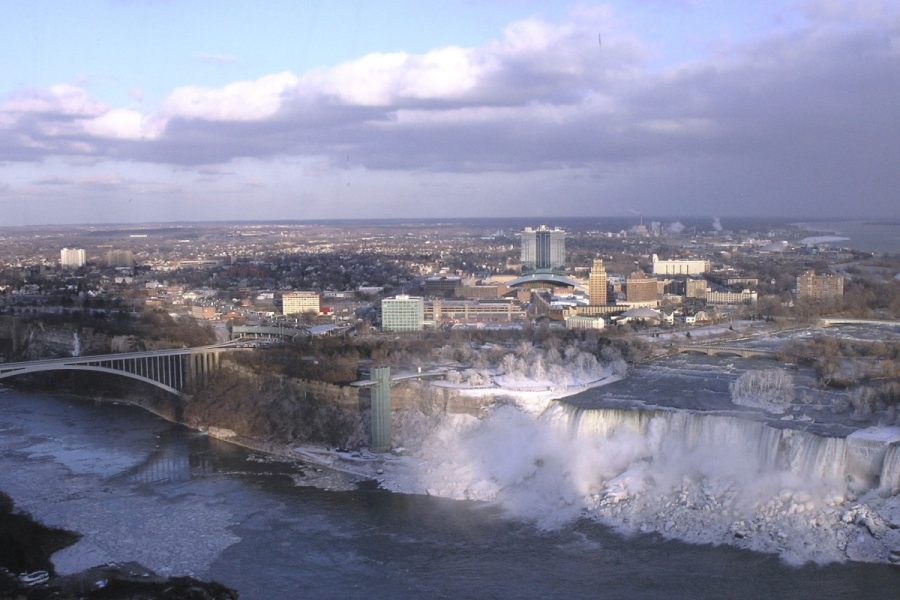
[
  {"x": 63, "y": 100},
  {"x": 219, "y": 59},
  {"x": 795, "y": 117},
  {"x": 240, "y": 101},
  {"x": 124, "y": 124}
]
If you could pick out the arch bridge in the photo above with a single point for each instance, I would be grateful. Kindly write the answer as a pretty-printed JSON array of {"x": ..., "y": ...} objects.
[
  {"x": 174, "y": 371},
  {"x": 722, "y": 350}
]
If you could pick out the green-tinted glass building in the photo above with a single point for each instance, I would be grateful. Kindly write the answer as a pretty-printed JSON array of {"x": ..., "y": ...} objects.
[{"x": 402, "y": 313}]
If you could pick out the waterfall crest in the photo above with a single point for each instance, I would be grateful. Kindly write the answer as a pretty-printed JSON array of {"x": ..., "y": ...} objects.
[{"x": 864, "y": 459}]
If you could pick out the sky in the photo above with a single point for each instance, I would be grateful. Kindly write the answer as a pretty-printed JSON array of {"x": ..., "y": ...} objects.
[{"x": 165, "y": 110}]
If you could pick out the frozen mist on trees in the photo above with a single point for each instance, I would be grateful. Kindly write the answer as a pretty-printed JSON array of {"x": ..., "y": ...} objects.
[{"x": 769, "y": 389}]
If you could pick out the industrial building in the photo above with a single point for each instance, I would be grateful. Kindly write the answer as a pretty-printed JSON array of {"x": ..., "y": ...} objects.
[{"x": 679, "y": 267}]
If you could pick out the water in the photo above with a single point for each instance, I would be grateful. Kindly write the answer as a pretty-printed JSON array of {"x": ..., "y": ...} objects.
[
  {"x": 700, "y": 383},
  {"x": 866, "y": 235},
  {"x": 139, "y": 488}
]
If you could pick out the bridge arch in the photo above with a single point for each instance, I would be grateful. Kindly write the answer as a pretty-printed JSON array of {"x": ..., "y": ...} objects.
[
  {"x": 698, "y": 351},
  {"x": 97, "y": 369}
]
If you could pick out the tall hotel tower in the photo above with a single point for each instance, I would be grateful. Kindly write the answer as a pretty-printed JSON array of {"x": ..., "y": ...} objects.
[
  {"x": 543, "y": 249},
  {"x": 597, "y": 284}
]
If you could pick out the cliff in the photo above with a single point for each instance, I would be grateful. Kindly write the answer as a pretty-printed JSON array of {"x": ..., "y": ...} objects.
[{"x": 276, "y": 409}]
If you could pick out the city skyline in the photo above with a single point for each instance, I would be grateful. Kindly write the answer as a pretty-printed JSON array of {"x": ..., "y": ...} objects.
[{"x": 146, "y": 111}]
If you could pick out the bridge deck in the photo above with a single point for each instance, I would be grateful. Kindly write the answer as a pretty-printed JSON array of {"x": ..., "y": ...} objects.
[{"x": 171, "y": 370}]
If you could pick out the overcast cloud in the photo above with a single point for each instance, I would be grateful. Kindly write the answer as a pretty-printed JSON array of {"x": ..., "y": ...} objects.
[{"x": 544, "y": 120}]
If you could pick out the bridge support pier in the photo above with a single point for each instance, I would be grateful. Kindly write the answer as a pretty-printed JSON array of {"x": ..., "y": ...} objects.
[{"x": 380, "y": 414}]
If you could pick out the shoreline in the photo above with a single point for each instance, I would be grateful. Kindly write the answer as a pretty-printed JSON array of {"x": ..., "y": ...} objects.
[{"x": 28, "y": 545}]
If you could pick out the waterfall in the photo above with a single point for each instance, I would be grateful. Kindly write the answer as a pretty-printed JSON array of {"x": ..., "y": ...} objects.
[
  {"x": 76, "y": 345},
  {"x": 741, "y": 446},
  {"x": 890, "y": 471},
  {"x": 700, "y": 477}
]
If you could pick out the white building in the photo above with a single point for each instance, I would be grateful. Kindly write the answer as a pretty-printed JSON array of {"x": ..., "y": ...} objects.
[
  {"x": 744, "y": 297},
  {"x": 585, "y": 322},
  {"x": 71, "y": 258},
  {"x": 295, "y": 303},
  {"x": 679, "y": 267},
  {"x": 403, "y": 313}
]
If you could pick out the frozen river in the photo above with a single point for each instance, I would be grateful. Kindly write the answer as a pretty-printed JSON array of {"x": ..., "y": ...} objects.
[{"x": 139, "y": 488}]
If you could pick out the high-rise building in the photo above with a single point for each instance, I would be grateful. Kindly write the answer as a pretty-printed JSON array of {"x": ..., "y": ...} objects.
[
  {"x": 294, "y": 303},
  {"x": 597, "y": 284},
  {"x": 819, "y": 287},
  {"x": 640, "y": 288},
  {"x": 71, "y": 258},
  {"x": 120, "y": 258},
  {"x": 403, "y": 313},
  {"x": 543, "y": 249}
]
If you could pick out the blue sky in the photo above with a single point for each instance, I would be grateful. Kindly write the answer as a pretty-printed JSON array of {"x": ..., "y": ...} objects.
[
  {"x": 131, "y": 110},
  {"x": 115, "y": 47}
]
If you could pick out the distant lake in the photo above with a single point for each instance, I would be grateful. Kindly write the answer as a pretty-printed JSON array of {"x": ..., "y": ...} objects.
[{"x": 867, "y": 235}]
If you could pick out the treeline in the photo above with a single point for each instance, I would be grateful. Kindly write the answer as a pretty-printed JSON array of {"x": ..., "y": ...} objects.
[
  {"x": 337, "y": 360},
  {"x": 835, "y": 359}
]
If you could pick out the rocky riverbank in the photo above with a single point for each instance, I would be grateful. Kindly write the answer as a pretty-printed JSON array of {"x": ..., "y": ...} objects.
[{"x": 27, "y": 546}]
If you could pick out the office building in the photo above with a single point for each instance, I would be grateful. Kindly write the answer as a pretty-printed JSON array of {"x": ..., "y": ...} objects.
[
  {"x": 597, "y": 284},
  {"x": 543, "y": 249},
  {"x": 640, "y": 289},
  {"x": 71, "y": 258},
  {"x": 295, "y": 303},
  {"x": 403, "y": 313},
  {"x": 442, "y": 285},
  {"x": 820, "y": 287}
]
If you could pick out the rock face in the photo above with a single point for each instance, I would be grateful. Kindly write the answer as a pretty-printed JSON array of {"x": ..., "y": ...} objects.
[
  {"x": 21, "y": 340},
  {"x": 277, "y": 409}
]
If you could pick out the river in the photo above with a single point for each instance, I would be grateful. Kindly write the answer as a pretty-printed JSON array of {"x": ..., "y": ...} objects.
[{"x": 139, "y": 488}]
